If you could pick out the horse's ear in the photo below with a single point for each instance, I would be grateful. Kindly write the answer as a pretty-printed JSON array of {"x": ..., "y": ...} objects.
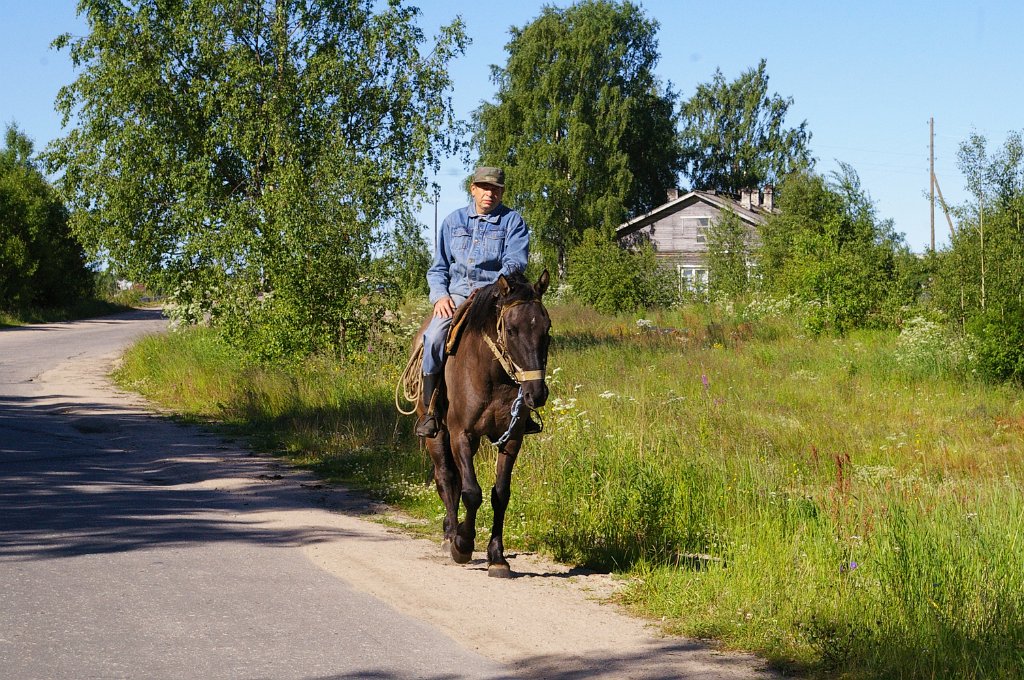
[
  {"x": 502, "y": 284},
  {"x": 542, "y": 283}
]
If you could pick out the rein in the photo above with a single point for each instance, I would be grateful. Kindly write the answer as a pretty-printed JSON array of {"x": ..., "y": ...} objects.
[{"x": 500, "y": 349}]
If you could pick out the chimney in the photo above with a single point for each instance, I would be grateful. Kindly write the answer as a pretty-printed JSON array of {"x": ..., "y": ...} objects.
[
  {"x": 745, "y": 198},
  {"x": 755, "y": 198},
  {"x": 769, "y": 198},
  {"x": 673, "y": 193}
]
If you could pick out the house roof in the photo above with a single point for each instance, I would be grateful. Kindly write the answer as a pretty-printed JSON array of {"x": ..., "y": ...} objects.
[{"x": 754, "y": 215}]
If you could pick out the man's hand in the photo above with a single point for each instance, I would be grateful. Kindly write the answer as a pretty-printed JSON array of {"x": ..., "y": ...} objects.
[{"x": 444, "y": 307}]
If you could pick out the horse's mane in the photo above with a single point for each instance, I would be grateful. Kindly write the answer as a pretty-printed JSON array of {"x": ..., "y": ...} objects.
[{"x": 483, "y": 311}]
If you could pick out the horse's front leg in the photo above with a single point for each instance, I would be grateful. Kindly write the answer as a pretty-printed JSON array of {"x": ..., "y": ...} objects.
[
  {"x": 464, "y": 447},
  {"x": 497, "y": 565},
  {"x": 446, "y": 478}
]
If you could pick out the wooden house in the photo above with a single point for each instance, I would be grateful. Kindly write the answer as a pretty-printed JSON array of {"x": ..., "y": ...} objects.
[{"x": 678, "y": 229}]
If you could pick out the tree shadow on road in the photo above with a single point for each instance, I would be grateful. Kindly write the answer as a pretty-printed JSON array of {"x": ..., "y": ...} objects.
[
  {"x": 661, "y": 660},
  {"x": 80, "y": 478}
]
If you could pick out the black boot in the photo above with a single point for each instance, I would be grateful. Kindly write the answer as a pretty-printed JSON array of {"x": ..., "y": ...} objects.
[
  {"x": 532, "y": 426},
  {"x": 427, "y": 425}
]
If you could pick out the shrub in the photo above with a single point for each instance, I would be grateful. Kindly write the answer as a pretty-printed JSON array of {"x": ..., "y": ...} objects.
[
  {"x": 611, "y": 279},
  {"x": 998, "y": 343},
  {"x": 828, "y": 248}
]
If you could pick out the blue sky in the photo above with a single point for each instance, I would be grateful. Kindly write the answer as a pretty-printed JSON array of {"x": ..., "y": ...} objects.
[{"x": 866, "y": 77}]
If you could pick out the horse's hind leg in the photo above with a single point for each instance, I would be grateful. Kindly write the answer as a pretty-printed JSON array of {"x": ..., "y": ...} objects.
[
  {"x": 497, "y": 565},
  {"x": 463, "y": 449},
  {"x": 446, "y": 478}
]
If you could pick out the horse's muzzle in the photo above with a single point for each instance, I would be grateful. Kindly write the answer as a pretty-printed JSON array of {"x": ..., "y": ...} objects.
[{"x": 535, "y": 393}]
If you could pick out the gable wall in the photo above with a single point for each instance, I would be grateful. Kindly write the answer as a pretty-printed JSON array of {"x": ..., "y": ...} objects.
[{"x": 679, "y": 234}]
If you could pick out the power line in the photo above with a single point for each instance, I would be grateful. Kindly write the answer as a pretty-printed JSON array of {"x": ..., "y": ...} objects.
[{"x": 863, "y": 150}]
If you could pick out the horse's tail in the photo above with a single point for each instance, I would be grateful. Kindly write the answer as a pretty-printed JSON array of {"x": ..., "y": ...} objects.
[{"x": 410, "y": 385}]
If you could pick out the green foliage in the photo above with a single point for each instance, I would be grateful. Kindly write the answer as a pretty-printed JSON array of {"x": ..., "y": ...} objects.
[
  {"x": 975, "y": 273},
  {"x": 909, "y": 285},
  {"x": 41, "y": 265},
  {"x": 729, "y": 256},
  {"x": 612, "y": 279},
  {"x": 979, "y": 279},
  {"x": 585, "y": 131},
  {"x": 827, "y": 248},
  {"x": 402, "y": 265},
  {"x": 983, "y": 268},
  {"x": 998, "y": 345},
  {"x": 734, "y": 137},
  {"x": 248, "y": 156}
]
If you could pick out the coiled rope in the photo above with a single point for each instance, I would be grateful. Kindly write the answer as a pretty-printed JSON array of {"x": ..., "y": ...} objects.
[{"x": 410, "y": 385}]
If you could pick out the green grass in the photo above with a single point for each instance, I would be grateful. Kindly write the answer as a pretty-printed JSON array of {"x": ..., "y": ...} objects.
[{"x": 815, "y": 500}]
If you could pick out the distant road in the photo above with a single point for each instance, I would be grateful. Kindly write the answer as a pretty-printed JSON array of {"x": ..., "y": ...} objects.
[{"x": 132, "y": 547}]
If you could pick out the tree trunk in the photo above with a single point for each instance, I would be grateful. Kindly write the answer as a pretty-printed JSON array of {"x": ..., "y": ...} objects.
[{"x": 981, "y": 224}]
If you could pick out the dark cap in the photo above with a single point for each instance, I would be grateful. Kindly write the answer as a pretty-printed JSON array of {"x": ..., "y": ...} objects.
[{"x": 485, "y": 175}]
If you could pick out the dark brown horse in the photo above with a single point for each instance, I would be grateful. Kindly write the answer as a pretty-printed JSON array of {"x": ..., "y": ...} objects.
[{"x": 501, "y": 356}]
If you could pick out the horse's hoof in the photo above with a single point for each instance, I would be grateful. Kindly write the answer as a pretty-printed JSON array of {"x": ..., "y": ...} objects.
[
  {"x": 499, "y": 571},
  {"x": 458, "y": 554},
  {"x": 446, "y": 546}
]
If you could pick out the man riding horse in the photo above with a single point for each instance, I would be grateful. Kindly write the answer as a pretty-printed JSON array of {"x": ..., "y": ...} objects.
[{"x": 476, "y": 244}]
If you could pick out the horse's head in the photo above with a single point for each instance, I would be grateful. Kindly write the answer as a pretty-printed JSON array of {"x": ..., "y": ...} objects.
[{"x": 524, "y": 328}]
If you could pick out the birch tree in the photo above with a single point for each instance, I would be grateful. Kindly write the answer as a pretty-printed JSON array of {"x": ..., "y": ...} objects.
[
  {"x": 246, "y": 154},
  {"x": 735, "y": 136},
  {"x": 584, "y": 129}
]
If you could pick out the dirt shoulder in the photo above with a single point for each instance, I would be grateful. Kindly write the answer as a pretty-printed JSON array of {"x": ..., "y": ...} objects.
[{"x": 549, "y": 621}]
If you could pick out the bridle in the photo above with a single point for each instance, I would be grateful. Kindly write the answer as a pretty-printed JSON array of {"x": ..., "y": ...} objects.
[
  {"x": 514, "y": 370},
  {"x": 500, "y": 348}
]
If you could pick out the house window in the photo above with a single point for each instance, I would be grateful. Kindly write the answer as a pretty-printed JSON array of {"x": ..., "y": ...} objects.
[
  {"x": 699, "y": 226},
  {"x": 695, "y": 277}
]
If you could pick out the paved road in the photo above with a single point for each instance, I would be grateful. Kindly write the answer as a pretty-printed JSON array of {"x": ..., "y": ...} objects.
[{"x": 121, "y": 555}]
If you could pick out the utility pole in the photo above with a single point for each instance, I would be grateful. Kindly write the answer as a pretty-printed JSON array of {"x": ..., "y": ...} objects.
[
  {"x": 931, "y": 175},
  {"x": 437, "y": 197}
]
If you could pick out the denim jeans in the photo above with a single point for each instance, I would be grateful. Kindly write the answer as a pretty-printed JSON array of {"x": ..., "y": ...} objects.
[{"x": 434, "y": 339}]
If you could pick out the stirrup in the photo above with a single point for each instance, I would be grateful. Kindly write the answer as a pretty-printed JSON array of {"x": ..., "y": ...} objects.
[{"x": 427, "y": 426}]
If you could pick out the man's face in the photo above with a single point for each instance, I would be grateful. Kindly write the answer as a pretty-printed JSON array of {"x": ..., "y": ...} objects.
[{"x": 486, "y": 197}]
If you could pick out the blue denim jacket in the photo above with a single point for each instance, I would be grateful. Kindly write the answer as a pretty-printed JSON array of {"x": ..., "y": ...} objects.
[{"x": 472, "y": 250}]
